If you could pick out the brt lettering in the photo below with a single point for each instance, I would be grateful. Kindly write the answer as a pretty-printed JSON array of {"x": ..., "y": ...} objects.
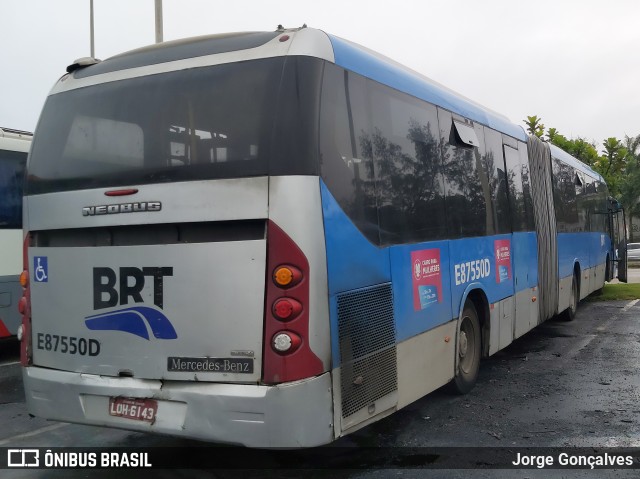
[{"x": 130, "y": 286}]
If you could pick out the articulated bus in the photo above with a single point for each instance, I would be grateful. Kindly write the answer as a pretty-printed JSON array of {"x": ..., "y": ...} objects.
[
  {"x": 14, "y": 147},
  {"x": 275, "y": 239}
]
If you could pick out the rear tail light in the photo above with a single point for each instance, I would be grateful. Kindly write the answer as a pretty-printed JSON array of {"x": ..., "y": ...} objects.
[
  {"x": 286, "y": 309},
  {"x": 286, "y": 342},
  {"x": 287, "y": 276},
  {"x": 24, "y": 307},
  {"x": 287, "y": 355}
]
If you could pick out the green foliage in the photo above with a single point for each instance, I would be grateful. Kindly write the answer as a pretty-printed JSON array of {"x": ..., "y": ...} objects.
[
  {"x": 535, "y": 126},
  {"x": 630, "y": 178}
]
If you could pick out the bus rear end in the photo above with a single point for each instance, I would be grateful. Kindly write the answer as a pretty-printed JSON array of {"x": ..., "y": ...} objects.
[
  {"x": 174, "y": 256},
  {"x": 14, "y": 146}
]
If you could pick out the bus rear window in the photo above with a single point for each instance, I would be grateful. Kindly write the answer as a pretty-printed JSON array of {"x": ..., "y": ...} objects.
[
  {"x": 201, "y": 123},
  {"x": 11, "y": 179}
]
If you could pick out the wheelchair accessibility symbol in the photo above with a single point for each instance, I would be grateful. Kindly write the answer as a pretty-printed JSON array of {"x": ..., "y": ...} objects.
[{"x": 40, "y": 269}]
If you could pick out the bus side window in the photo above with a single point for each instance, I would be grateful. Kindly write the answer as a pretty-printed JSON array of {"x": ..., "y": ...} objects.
[
  {"x": 346, "y": 166},
  {"x": 565, "y": 197},
  {"x": 466, "y": 185},
  {"x": 556, "y": 181},
  {"x": 516, "y": 189},
  {"x": 526, "y": 187},
  {"x": 408, "y": 171},
  {"x": 495, "y": 167}
]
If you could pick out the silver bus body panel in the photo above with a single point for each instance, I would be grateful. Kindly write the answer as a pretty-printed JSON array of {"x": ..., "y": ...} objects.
[
  {"x": 295, "y": 206},
  {"x": 305, "y": 42},
  {"x": 188, "y": 201},
  {"x": 213, "y": 298},
  {"x": 249, "y": 415}
]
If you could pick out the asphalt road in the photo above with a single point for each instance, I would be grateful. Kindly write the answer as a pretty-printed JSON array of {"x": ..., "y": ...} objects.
[{"x": 562, "y": 385}]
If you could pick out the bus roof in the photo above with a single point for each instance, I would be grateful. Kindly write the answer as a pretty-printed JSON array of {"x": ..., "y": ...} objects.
[
  {"x": 384, "y": 70},
  {"x": 15, "y": 140},
  {"x": 304, "y": 41}
]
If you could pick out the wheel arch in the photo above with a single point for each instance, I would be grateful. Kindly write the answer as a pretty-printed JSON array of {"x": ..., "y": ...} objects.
[
  {"x": 478, "y": 297},
  {"x": 577, "y": 273}
]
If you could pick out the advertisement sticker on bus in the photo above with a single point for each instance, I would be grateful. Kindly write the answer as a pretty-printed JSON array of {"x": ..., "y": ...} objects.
[
  {"x": 503, "y": 260},
  {"x": 427, "y": 278}
]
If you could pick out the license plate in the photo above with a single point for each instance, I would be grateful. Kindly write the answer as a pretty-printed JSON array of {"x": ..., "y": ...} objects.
[{"x": 134, "y": 408}]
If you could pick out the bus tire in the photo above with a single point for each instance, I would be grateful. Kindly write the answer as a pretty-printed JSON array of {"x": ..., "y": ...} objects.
[
  {"x": 468, "y": 351},
  {"x": 569, "y": 314}
]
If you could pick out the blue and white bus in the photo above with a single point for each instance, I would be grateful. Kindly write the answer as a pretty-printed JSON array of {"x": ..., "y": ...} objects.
[
  {"x": 14, "y": 147},
  {"x": 274, "y": 239}
]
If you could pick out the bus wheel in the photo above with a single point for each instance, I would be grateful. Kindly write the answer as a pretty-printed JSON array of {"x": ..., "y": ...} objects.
[
  {"x": 570, "y": 313},
  {"x": 468, "y": 351}
]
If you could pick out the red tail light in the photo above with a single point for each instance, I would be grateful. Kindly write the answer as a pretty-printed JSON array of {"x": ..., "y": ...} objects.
[
  {"x": 24, "y": 306},
  {"x": 286, "y": 309},
  {"x": 287, "y": 355}
]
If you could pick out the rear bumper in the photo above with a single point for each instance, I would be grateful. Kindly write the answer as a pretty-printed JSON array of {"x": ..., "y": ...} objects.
[{"x": 291, "y": 415}]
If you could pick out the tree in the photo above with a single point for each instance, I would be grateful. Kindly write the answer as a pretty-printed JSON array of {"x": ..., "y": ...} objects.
[
  {"x": 583, "y": 150},
  {"x": 629, "y": 184},
  {"x": 535, "y": 126},
  {"x": 614, "y": 155}
]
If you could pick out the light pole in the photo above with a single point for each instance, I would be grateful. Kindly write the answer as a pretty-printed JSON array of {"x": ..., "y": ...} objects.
[
  {"x": 93, "y": 52},
  {"x": 158, "y": 21}
]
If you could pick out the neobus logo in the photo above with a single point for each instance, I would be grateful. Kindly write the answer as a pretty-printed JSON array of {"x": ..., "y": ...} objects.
[
  {"x": 111, "y": 288},
  {"x": 138, "y": 207}
]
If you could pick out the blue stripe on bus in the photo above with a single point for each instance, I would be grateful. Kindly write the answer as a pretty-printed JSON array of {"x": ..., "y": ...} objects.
[
  {"x": 353, "y": 262},
  {"x": 587, "y": 249},
  {"x": 349, "y": 56}
]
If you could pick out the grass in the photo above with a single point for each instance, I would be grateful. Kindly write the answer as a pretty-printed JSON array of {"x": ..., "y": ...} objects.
[{"x": 617, "y": 292}]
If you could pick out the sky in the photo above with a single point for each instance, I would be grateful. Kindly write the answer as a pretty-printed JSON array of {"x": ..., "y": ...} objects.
[{"x": 574, "y": 63}]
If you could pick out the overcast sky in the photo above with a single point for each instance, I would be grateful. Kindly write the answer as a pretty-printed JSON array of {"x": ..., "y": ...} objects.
[{"x": 575, "y": 63}]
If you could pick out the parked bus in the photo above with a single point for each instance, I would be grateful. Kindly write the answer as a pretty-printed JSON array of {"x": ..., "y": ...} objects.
[
  {"x": 274, "y": 239},
  {"x": 14, "y": 146}
]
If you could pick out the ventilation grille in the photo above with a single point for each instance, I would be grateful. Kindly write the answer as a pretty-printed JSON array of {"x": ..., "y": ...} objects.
[{"x": 367, "y": 347}]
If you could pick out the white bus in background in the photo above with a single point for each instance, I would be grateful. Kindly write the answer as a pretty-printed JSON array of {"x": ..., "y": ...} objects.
[{"x": 14, "y": 147}]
